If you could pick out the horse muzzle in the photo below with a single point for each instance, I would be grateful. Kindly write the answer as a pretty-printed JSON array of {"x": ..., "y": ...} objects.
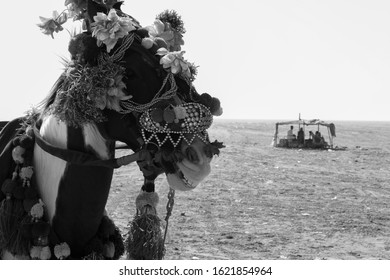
[{"x": 189, "y": 175}]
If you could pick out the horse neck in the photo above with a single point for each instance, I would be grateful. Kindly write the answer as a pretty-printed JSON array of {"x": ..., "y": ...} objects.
[
  {"x": 75, "y": 195},
  {"x": 86, "y": 138},
  {"x": 49, "y": 169}
]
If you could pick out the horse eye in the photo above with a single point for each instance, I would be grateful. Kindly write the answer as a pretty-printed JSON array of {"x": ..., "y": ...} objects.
[{"x": 191, "y": 155}]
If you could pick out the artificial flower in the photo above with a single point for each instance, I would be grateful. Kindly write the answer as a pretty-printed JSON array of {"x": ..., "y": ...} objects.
[
  {"x": 26, "y": 172},
  {"x": 116, "y": 94},
  {"x": 75, "y": 8},
  {"x": 109, "y": 28},
  {"x": 174, "y": 61},
  {"x": 177, "y": 41},
  {"x": 117, "y": 86},
  {"x": 37, "y": 210},
  {"x": 62, "y": 251},
  {"x": 53, "y": 24},
  {"x": 172, "y": 38}
]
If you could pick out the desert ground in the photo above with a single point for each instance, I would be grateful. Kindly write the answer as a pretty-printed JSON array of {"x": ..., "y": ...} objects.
[{"x": 261, "y": 202}]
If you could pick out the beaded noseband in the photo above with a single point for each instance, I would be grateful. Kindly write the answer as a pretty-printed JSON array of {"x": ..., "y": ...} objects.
[{"x": 187, "y": 121}]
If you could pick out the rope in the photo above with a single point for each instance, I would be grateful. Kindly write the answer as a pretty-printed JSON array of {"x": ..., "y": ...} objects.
[
  {"x": 170, "y": 203},
  {"x": 119, "y": 52},
  {"x": 129, "y": 106}
]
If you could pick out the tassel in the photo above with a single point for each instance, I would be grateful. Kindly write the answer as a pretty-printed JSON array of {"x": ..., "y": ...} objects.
[
  {"x": 145, "y": 240},
  {"x": 20, "y": 242},
  {"x": 11, "y": 215}
]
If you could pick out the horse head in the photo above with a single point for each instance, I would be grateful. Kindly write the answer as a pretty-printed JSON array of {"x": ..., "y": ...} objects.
[{"x": 158, "y": 109}]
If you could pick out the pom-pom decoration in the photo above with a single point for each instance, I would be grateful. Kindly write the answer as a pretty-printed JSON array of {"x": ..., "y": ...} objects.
[
  {"x": 212, "y": 103},
  {"x": 62, "y": 251},
  {"x": 26, "y": 174},
  {"x": 28, "y": 203},
  {"x": 108, "y": 250},
  {"x": 146, "y": 199},
  {"x": 40, "y": 253},
  {"x": 8, "y": 186},
  {"x": 37, "y": 210},
  {"x": 83, "y": 49},
  {"x": 26, "y": 141},
  {"x": 17, "y": 154}
]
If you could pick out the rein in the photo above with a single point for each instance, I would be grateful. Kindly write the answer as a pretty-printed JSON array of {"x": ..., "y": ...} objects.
[{"x": 80, "y": 158}]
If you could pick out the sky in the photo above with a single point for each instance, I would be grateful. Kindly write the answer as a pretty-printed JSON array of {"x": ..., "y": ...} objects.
[{"x": 264, "y": 59}]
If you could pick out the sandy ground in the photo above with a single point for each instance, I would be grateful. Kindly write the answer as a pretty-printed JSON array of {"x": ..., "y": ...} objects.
[{"x": 270, "y": 203}]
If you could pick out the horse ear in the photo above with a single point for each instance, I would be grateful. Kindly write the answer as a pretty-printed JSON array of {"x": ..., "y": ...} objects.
[
  {"x": 118, "y": 5},
  {"x": 93, "y": 8}
]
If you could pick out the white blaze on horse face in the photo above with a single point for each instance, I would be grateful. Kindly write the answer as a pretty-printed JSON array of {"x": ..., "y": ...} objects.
[
  {"x": 50, "y": 169},
  {"x": 95, "y": 141},
  {"x": 191, "y": 173}
]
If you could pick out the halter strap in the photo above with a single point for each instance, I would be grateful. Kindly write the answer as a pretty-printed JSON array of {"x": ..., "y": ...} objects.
[{"x": 80, "y": 158}]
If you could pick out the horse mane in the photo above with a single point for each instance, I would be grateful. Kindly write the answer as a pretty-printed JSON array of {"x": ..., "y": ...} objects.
[{"x": 44, "y": 105}]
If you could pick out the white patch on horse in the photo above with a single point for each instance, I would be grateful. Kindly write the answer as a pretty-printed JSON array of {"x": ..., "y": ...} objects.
[
  {"x": 49, "y": 169},
  {"x": 94, "y": 140}
]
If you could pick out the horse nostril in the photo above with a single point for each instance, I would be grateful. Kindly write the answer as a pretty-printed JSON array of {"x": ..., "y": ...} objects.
[{"x": 192, "y": 155}]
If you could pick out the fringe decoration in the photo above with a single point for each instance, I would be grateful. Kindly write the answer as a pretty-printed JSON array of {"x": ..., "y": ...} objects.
[
  {"x": 145, "y": 240},
  {"x": 11, "y": 215},
  {"x": 20, "y": 242},
  {"x": 23, "y": 231}
]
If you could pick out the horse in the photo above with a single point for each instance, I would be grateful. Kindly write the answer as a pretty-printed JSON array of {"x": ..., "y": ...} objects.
[{"x": 69, "y": 143}]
